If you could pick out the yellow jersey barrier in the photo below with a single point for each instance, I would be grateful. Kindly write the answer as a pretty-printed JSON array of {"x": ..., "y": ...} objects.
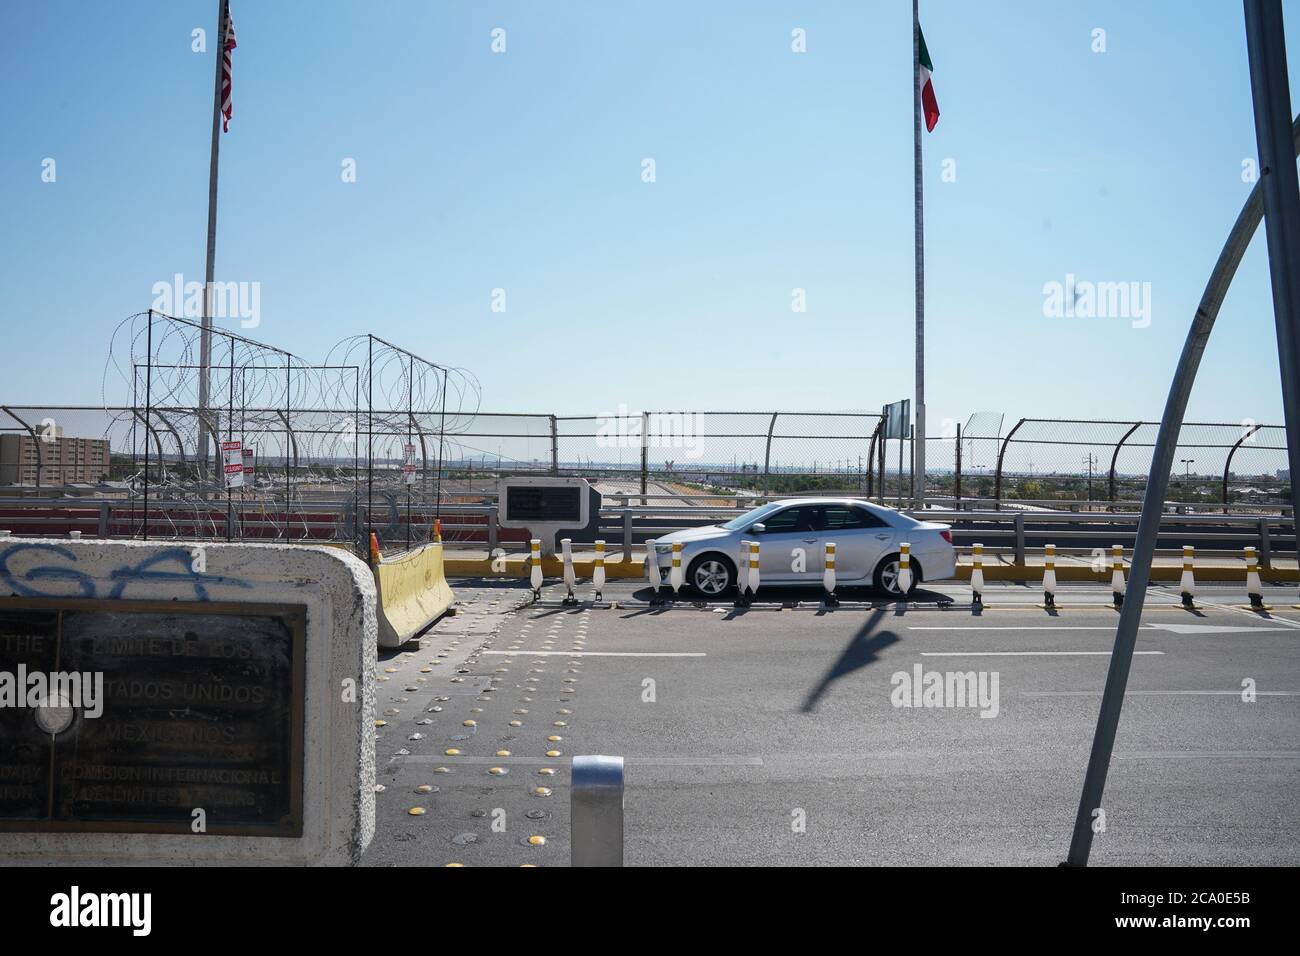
[{"x": 412, "y": 592}]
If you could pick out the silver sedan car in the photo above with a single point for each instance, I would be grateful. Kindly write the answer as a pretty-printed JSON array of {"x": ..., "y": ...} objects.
[{"x": 792, "y": 536}]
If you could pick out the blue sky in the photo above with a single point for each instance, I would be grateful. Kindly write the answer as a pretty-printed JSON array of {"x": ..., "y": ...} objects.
[{"x": 774, "y": 171}]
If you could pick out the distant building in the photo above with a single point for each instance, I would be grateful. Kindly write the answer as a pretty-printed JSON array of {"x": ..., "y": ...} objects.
[{"x": 52, "y": 460}]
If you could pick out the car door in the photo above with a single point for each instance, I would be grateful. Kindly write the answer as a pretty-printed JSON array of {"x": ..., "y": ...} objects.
[
  {"x": 861, "y": 540},
  {"x": 786, "y": 532}
]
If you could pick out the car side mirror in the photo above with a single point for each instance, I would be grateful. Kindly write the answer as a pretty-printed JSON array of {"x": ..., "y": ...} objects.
[{"x": 758, "y": 527}]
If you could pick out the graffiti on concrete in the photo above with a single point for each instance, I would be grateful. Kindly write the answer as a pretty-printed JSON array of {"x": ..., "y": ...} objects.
[{"x": 61, "y": 572}]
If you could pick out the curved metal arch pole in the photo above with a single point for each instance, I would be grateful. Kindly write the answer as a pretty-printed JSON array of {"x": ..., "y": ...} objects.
[
  {"x": 1227, "y": 465},
  {"x": 1162, "y": 462},
  {"x": 1114, "y": 459}
]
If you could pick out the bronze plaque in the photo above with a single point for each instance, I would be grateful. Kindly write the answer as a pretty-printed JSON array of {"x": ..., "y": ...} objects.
[{"x": 200, "y": 709}]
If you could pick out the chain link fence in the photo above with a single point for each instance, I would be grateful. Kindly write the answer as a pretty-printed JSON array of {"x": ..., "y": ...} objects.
[{"x": 329, "y": 455}]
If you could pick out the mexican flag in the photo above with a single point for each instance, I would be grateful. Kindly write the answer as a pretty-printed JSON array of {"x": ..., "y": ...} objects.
[{"x": 929, "y": 105}]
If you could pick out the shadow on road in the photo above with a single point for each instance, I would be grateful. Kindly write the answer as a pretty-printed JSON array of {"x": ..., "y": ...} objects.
[{"x": 861, "y": 651}]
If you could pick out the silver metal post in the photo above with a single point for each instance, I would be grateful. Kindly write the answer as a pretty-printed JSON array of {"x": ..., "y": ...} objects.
[
  {"x": 1266, "y": 46},
  {"x": 205, "y": 338},
  {"x": 1103, "y": 742},
  {"x": 596, "y": 811},
  {"x": 918, "y": 450}
]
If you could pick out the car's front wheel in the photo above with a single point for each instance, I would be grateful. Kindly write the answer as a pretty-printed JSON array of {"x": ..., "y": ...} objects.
[
  {"x": 887, "y": 575},
  {"x": 712, "y": 575}
]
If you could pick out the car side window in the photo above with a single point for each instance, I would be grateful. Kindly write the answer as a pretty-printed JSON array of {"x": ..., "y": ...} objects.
[
  {"x": 842, "y": 518},
  {"x": 787, "y": 520}
]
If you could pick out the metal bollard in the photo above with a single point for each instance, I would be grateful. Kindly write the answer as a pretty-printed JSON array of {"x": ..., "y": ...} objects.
[{"x": 596, "y": 811}]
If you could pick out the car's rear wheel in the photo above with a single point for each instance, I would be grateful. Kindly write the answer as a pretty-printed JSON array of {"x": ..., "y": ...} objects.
[
  {"x": 887, "y": 575},
  {"x": 712, "y": 575}
]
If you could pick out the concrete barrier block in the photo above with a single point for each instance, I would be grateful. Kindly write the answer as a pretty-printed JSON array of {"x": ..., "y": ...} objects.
[
  {"x": 183, "y": 723},
  {"x": 413, "y": 592}
]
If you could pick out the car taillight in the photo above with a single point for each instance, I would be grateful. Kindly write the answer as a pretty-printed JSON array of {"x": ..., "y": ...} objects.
[{"x": 946, "y": 535}]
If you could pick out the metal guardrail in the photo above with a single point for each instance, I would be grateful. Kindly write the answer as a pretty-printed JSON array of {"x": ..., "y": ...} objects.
[{"x": 476, "y": 525}]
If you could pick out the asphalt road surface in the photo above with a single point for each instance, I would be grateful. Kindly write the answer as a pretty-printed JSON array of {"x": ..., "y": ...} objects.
[{"x": 776, "y": 735}]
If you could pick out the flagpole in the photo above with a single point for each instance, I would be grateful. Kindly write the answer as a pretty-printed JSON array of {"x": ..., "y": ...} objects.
[
  {"x": 918, "y": 445},
  {"x": 205, "y": 341}
]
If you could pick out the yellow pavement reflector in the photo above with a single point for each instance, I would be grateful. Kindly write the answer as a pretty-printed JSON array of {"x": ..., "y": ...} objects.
[
  {"x": 555, "y": 738},
  {"x": 442, "y": 770},
  {"x": 547, "y": 771},
  {"x": 452, "y": 752},
  {"x": 542, "y": 791},
  {"x": 536, "y": 840},
  {"x": 496, "y": 771},
  {"x": 453, "y": 865},
  {"x": 503, "y": 753},
  {"x": 416, "y": 811},
  {"x": 381, "y": 723},
  {"x": 553, "y": 753},
  {"x": 469, "y": 723},
  {"x": 424, "y": 788},
  {"x": 516, "y": 723}
]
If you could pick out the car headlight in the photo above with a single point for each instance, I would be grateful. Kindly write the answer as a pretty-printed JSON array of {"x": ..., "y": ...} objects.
[{"x": 663, "y": 548}]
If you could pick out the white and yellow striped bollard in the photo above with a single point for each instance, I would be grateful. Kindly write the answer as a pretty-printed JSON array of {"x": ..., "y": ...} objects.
[
  {"x": 1254, "y": 589},
  {"x": 598, "y": 572},
  {"x": 904, "y": 569},
  {"x": 828, "y": 575},
  {"x": 535, "y": 571},
  {"x": 1117, "y": 585},
  {"x": 570, "y": 576},
  {"x": 675, "y": 572},
  {"x": 977, "y": 575},
  {"x": 652, "y": 568},
  {"x": 1187, "y": 583},
  {"x": 754, "y": 578},
  {"x": 1049, "y": 575}
]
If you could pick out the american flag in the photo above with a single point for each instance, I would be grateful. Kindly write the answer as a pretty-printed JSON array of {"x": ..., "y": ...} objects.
[{"x": 227, "y": 107}]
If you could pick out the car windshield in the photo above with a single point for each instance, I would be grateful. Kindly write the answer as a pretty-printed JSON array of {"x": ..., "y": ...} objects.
[{"x": 749, "y": 517}]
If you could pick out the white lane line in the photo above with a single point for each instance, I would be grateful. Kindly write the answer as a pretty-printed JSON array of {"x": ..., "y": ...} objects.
[
  {"x": 601, "y": 653},
  {"x": 1161, "y": 693},
  {"x": 705, "y": 761},
  {"x": 1211, "y": 755},
  {"x": 1171, "y": 628},
  {"x": 1046, "y": 627},
  {"x": 1027, "y": 653},
  {"x": 1241, "y": 610},
  {"x": 1194, "y": 629}
]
